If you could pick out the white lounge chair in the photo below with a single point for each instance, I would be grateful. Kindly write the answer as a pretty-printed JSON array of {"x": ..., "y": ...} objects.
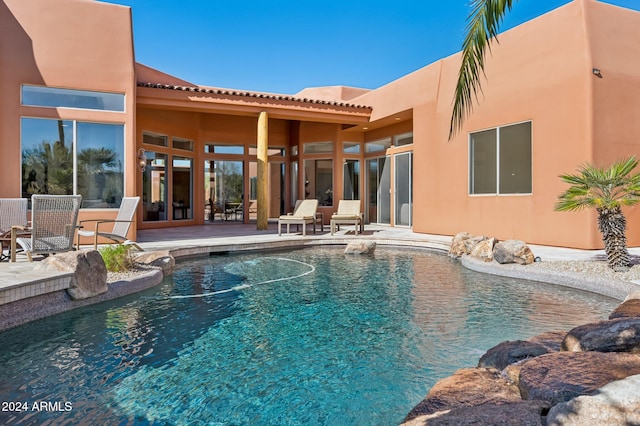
[
  {"x": 304, "y": 214},
  {"x": 53, "y": 226},
  {"x": 13, "y": 211},
  {"x": 120, "y": 228},
  {"x": 348, "y": 214}
]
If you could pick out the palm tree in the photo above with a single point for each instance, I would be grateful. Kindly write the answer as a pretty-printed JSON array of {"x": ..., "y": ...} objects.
[
  {"x": 482, "y": 28},
  {"x": 606, "y": 189}
]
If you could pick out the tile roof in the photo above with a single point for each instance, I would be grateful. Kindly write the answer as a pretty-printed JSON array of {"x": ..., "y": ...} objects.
[{"x": 239, "y": 93}]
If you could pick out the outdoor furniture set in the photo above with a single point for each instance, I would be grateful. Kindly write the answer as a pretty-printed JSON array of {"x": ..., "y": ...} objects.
[
  {"x": 305, "y": 213},
  {"x": 53, "y": 225}
]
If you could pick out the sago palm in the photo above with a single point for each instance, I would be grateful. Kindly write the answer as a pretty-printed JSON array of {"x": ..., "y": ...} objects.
[
  {"x": 482, "y": 27},
  {"x": 606, "y": 189}
]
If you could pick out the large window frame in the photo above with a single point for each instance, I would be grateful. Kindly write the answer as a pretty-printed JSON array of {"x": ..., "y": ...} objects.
[
  {"x": 54, "y": 97},
  {"x": 501, "y": 160},
  {"x": 73, "y": 157}
]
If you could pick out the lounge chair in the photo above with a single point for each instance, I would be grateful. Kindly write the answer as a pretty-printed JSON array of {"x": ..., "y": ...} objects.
[
  {"x": 319, "y": 216},
  {"x": 13, "y": 211},
  {"x": 53, "y": 226},
  {"x": 120, "y": 228},
  {"x": 303, "y": 215},
  {"x": 348, "y": 214}
]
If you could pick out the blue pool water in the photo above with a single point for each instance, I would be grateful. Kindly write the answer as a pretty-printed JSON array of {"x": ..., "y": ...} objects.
[{"x": 305, "y": 337}]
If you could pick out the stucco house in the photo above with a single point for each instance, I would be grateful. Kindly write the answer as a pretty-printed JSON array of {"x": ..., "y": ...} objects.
[{"x": 79, "y": 115}]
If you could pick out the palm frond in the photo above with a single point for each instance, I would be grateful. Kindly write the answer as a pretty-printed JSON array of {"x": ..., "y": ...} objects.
[
  {"x": 601, "y": 187},
  {"x": 482, "y": 26}
]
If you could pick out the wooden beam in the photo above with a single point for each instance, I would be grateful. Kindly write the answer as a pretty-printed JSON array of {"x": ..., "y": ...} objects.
[{"x": 262, "y": 184}]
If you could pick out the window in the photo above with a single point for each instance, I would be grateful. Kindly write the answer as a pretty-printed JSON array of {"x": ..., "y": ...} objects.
[
  {"x": 351, "y": 147},
  {"x": 224, "y": 149},
  {"x": 185, "y": 144},
  {"x": 319, "y": 181},
  {"x": 375, "y": 146},
  {"x": 182, "y": 187},
  {"x": 404, "y": 139},
  {"x": 66, "y": 157},
  {"x": 500, "y": 160},
  {"x": 68, "y": 98},
  {"x": 154, "y": 188},
  {"x": 318, "y": 147},
  {"x": 351, "y": 180},
  {"x": 154, "y": 139}
]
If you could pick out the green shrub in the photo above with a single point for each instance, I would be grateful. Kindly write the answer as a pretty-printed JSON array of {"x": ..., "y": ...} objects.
[{"x": 116, "y": 257}]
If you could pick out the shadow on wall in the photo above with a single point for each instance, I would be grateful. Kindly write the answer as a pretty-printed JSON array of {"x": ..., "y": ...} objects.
[{"x": 22, "y": 68}]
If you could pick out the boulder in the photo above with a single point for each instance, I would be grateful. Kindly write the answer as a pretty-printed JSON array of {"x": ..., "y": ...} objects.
[
  {"x": 627, "y": 309},
  {"x": 360, "y": 247},
  {"x": 89, "y": 272},
  {"x": 634, "y": 295},
  {"x": 617, "y": 335},
  {"x": 508, "y": 413},
  {"x": 483, "y": 250},
  {"x": 560, "y": 376},
  {"x": 616, "y": 403},
  {"x": 457, "y": 247},
  {"x": 507, "y": 353},
  {"x": 161, "y": 259},
  {"x": 471, "y": 242},
  {"x": 512, "y": 251},
  {"x": 552, "y": 340},
  {"x": 466, "y": 387}
]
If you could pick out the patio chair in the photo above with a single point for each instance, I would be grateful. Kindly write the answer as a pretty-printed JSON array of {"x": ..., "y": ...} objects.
[
  {"x": 319, "y": 216},
  {"x": 53, "y": 226},
  {"x": 13, "y": 211},
  {"x": 120, "y": 225},
  {"x": 304, "y": 214},
  {"x": 348, "y": 214}
]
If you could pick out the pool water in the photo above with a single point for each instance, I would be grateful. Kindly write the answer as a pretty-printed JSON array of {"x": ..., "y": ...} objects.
[{"x": 304, "y": 337}]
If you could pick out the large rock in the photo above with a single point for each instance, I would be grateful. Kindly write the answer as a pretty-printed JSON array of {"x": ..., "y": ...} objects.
[
  {"x": 471, "y": 242},
  {"x": 89, "y": 272},
  {"x": 617, "y": 335},
  {"x": 614, "y": 404},
  {"x": 457, "y": 247},
  {"x": 507, "y": 353},
  {"x": 634, "y": 295},
  {"x": 512, "y": 251},
  {"x": 552, "y": 340},
  {"x": 560, "y": 376},
  {"x": 360, "y": 247},
  {"x": 466, "y": 387},
  {"x": 483, "y": 250},
  {"x": 627, "y": 309},
  {"x": 161, "y": 259},
  {"x": 507, "y": 414}
]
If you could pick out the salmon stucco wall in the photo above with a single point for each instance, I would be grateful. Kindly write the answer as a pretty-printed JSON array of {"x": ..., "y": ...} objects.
[
  {"x": 540, "y": 72},
  {"x": 97, "y": 55}
]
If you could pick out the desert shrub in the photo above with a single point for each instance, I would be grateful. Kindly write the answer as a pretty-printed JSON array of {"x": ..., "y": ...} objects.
[{"x": 117, "y": 257}]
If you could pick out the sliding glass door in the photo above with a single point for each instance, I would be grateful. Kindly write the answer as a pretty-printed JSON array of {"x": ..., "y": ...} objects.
[
  {"x": 404, "y": 189},
  {"x": 378, "y": 190}
]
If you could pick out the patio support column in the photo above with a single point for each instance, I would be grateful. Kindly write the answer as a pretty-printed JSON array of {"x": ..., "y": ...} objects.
[{"x": 262, "y": 184}]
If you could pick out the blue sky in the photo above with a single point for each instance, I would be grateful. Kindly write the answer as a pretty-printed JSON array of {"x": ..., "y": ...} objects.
[{"x": 283, "y": 46}]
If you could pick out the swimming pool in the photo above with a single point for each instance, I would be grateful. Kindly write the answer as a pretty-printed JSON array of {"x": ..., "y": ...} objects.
[{"x": 309, "y": 336}]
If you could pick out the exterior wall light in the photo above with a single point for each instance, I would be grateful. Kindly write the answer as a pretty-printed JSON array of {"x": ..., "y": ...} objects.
[
  {"x": 142, "y": 160},
  {"x": 597, "y": 73}
]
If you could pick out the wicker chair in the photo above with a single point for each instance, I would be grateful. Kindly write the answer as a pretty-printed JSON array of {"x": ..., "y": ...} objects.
[
  {"x": 120, "y": 228},
  {"x": 53, "y": 226},
  {"x": 13, "y": 211}
]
